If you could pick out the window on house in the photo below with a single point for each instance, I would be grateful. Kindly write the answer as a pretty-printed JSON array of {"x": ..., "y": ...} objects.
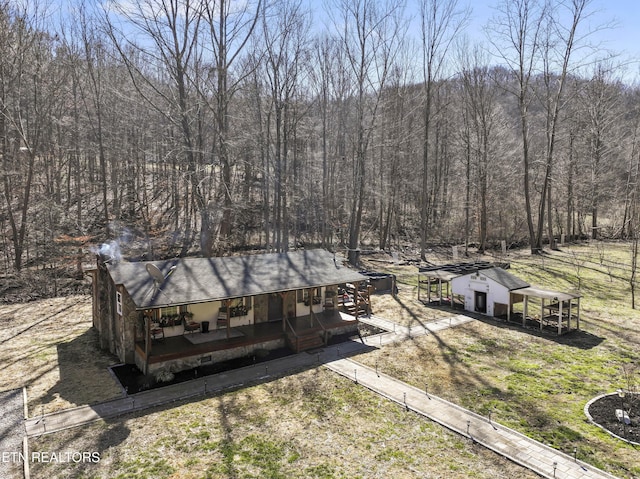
[
  {"x": 303, "y": 294},
  {"x": 170, "y": 311},
  {"x": 119, "y": 303},
  {"x": 248, "y": 302}
]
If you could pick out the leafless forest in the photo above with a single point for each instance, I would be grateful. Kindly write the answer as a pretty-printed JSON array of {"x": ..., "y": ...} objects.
[{"x": 206, "y": 126}]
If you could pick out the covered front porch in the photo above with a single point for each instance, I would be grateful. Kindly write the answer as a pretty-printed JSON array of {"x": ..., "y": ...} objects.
[{"x": 190, "y": 350}]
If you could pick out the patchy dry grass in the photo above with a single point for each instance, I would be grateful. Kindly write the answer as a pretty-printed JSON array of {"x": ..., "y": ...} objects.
[
  {"x": 50, "y": 348},
  {"x": 405, "y": 309},
  {"x": 535, "y": 383},
  {"x": 313, "y": 424},
  {"x": 316, "y": 424}
]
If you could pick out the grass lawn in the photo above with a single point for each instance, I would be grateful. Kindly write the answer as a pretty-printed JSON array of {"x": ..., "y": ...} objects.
[
  {"x": 313, "y": 424},
  {"x": 316, "y": 424},
  {"x": 539, "y": 383}
]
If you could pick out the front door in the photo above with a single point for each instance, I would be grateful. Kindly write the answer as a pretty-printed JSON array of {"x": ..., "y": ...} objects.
[
  {"x": 275, "y": 307},
  {"x": 481, "y": 302}
]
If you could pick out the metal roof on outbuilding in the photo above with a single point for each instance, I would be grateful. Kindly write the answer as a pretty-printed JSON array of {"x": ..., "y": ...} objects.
[
  {"x": 504, "y": 278},
  {"x": 199, "y": 280},
  {"x": 548, "y": 294}
]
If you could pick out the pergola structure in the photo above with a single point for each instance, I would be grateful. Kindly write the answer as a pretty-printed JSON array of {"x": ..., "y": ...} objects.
[
  {"x": 556, "y": 307},
  {"x": 440, "y": 277}
]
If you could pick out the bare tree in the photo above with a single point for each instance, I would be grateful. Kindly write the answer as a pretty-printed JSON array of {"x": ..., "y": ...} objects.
[
  {"x": 27, "y": 98},
  {"x": 481, "y": 112},
  {"x": 441, "y": 22},
  {"x": 285, "y": 37},
  {"x": 559, "y": 44},
  {"x": 599, "y": 99},
  {"x": 169, "y": 41},
  {"x": 519, "y": 25},
  {"x": 370, "y": 34},
  {"x": 230, "y": 25},
  {"x": 532, "y": 35}
]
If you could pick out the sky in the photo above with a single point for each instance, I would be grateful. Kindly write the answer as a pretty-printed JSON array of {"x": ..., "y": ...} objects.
[{"x": 622, "y": 37}]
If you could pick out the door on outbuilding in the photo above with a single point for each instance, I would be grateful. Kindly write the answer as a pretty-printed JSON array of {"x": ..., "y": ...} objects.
[{"x": 481, "y": 302}]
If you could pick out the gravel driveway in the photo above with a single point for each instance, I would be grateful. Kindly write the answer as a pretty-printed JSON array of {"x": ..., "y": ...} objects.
[{"x": 12, "y": 432}]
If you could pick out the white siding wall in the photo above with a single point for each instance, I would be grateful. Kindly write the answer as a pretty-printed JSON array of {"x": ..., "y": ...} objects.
[
  {"x": 468, "y": 284},
  {"x": 303, "y": 309},
  {"x": 205, "y": 311},
  {"x": 209, "y": 312}
]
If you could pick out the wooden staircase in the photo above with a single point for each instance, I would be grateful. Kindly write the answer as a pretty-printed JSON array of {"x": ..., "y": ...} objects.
[
  {"x": 350, "y": 308},
  {"x": 309, "y": 339},
  {"x": 358, "y": 301}
]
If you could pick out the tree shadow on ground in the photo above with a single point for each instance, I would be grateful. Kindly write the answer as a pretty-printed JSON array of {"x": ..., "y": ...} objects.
[
  {"x": 84, "y": 377},
  {"x": 575, "y": 338},
  {"x": 414, "y": 316},
  {"x": 79, "y": 449}
]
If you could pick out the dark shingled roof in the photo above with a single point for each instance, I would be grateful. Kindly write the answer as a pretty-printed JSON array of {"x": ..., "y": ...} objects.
[
  {"x": 198, "y": 280},
  {"x": 504, "y": 278}
]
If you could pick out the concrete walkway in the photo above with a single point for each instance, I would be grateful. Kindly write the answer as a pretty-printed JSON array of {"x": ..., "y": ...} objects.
[
  {"x": 214, "y": 384},
  {"x": 531, "y": 454},
  {"x": 403, "y": 332}
]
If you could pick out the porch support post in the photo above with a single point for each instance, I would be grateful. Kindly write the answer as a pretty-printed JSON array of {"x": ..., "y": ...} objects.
[
  {"x": 226, "y": 303},
  {"x": 509, "y": 307},
  {"x": 559, "y": 317},
  {"x": 356, "y": 297},
  {"x": 309, "y": 291},
  {"x": 428, "y": 289},
  {"x": 525, "y": 311},
  {"x": 578, "y": 318},
  {"x": 147, "y": 342},
  {"x": 283, "y": 295},
  {"x": 569, "y": 316},
  {"x": 440, "y": 291}
]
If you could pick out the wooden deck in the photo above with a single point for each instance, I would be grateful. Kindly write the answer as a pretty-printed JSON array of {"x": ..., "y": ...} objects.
[{"x": 179, "y": 347}]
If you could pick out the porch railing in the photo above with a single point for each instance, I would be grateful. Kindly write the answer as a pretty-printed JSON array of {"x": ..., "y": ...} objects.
[
  {"x": 324, "y": 330},
  {"x": 295, "y": 335},
  {"x": 363, "y": 299}
]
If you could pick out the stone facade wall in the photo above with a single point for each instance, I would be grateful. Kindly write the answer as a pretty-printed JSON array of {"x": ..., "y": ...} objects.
[
  {"x": 189, "y": 362},
  {"x": 105, "y": 293},
  {"x": 261, "y": 308},
  {"x": 131, "y": 319},
  {"x": 116, "y": 333}
]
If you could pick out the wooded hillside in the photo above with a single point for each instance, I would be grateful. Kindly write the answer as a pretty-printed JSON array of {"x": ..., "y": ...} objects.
[{"x": 191, "y": 127}]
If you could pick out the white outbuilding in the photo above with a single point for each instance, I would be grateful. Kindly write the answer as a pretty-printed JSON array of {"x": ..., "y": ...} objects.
[
  {"x": 491, "y": 291},
  {"x": 481, "y": 287}
]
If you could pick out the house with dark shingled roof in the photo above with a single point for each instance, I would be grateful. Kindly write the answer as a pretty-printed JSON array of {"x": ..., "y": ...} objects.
[{"x": 184, "y": 312}]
